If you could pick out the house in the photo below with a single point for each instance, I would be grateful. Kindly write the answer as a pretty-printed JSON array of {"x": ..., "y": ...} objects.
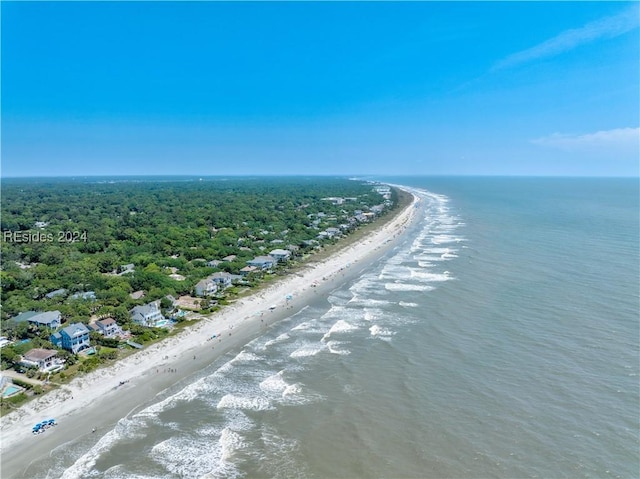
[
  {"x": 262, "y": 262},
  {"x": 74, "y": 338},
  {"x": 50, "y": 319},
  {"x": 148, "y": 315},
  {"x": 206, "y": 287},
  {"x": 89, "y": 296},
  {"x": 41, "y": 224},
  {"x": 231, "y": 257},
  {"x": 248, "y": 270},
  {"x": 224, "y": 280},
  {"x": 108, "y": 327},
  {"x": 137, "y": 295},
  {"x": 280, "y": 254},
  {"x": 214, "y": 263},
  {"x": 56, "y": 293},
  {"x": 44, "y": 359}
]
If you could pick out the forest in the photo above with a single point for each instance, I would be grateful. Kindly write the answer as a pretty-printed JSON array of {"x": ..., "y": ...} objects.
[{"x": 74, "y": 236}]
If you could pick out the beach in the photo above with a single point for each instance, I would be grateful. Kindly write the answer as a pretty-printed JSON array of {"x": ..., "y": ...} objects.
[{"x": 101, "y": 398}]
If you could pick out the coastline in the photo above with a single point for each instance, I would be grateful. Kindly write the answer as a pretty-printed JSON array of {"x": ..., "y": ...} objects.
[{"x": 99, "y": 400}]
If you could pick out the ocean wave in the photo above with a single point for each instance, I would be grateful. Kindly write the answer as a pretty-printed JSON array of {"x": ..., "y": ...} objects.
[
  {"x": 274, "y": 383},
  {"x": 332, "y": 346},
  {"x": 307, "y": 351},
  {"x": 408, "y": 305},
  {"x": 408, "y": 287},
  {"x": 341, "y": 326},
  {"x": 431, "y": 277},
  {"x": 231, "y": 401}
]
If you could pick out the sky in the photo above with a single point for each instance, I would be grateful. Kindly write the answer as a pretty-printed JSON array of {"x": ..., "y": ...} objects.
[{"x": 337, "y": 88}]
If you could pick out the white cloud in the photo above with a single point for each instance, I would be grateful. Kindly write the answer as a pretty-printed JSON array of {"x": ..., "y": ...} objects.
[
  {"x": 607, "y": 27},
  {"x": 617, "y": 140}
]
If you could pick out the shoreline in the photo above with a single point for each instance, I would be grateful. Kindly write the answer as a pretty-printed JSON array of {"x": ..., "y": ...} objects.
[{"x": 103, "y": 397}]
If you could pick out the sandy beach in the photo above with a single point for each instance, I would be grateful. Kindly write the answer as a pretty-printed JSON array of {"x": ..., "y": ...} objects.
[{"x": 101, "y": 398}]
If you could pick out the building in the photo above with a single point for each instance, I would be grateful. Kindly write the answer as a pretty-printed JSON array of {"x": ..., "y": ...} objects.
[
  {"x": 280, "y": 254},
  {"x": 262, "y": 262},
  {"x": 56, "y": 293},
  {"x": 137, "y": 295},
  {"x": 49, "y": 319},
  {"x": 43, "y": 359},
  {"x": 248, "y": 270},
  {"x": 108, "y": 327},
  {"x": 74, "y": 338},
  {"x": 224, "y": 280},
  {"x": 148, "y": 315},
  {"x": 206, "y": 287}
]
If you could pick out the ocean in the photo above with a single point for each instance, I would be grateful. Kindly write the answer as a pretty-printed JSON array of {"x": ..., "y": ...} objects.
[{"x": 500, "y": 338}]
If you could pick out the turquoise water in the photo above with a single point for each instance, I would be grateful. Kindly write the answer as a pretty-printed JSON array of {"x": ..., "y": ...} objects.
[{"x": 500, "y": 339}]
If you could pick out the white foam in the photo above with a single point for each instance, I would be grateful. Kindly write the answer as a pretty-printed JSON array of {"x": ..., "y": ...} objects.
[
  {"x": 307, "y": 351},
  {"x": 246, "y": 356},
  {"x": 292, "y": 391},
  {"x": 274, "y": 384},
  {"x": 185, "y": 457},
  {"x": 279, "y": 339},
  {"x": 85, "y": 464},
  {"x": 230, "y": 442},
  {"x": 341, "y": 326},
  {"x": 231, "y": 401},
  {"x": 379, "y": 331},
  {"x": 431, "y": 277},
  {"x": 333, "y": 348},
  {"x": 408, "y": 305},
  {"x": 302, "y": 326},
  {"x": 408, "y": 287}
]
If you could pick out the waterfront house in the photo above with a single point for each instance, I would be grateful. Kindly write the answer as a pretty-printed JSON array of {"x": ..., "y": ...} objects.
[
  {"x": 280, "y": 254},
  {"x": 262, "y": 262},
  {"x": 206, "y": 287},
  {"x": 248, "y": 270},
  {"x": 74, "y": 338},
  {"x": 108, "y": 327},
  {"x": 44, "y": 359},
  {"x": 148, "y": 315},
  {"x": 224, "y": 279},
  {"x": 49, "y": 319}
]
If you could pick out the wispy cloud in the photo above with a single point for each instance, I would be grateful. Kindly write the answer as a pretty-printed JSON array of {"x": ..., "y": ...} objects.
[
  {"x": 619, "y": 139},
  {"x": 607, "y": 27}
]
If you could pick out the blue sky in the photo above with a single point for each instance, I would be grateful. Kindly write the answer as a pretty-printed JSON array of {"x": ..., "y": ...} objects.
[{"x": 425, "y": 88}]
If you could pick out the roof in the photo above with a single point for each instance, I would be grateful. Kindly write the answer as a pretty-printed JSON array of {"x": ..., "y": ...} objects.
[
  {"x": 137, "y": 294},
  {"x": 106, "y": 321},
  {"x": 57, "y": 292},
  {"x": 75, "y": 329},
  {"x": 40, "y": 317},
  {"x": 38, "y": 354},
  {"x": 25, "y": 316},
  {"x": 280, "y": 252},
  {"x": 146, "y": 309}
]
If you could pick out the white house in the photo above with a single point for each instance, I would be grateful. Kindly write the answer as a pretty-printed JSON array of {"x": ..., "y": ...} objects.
[
  {"x": 147, "y": 315},
  {"x": 280, "y": 254},
  {"x": 43, "y": 359},
  {"x": 206, "y": 287}
]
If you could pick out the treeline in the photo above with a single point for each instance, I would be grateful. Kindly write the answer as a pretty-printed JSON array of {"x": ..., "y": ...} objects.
[{"x": 161, "y": 227}]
